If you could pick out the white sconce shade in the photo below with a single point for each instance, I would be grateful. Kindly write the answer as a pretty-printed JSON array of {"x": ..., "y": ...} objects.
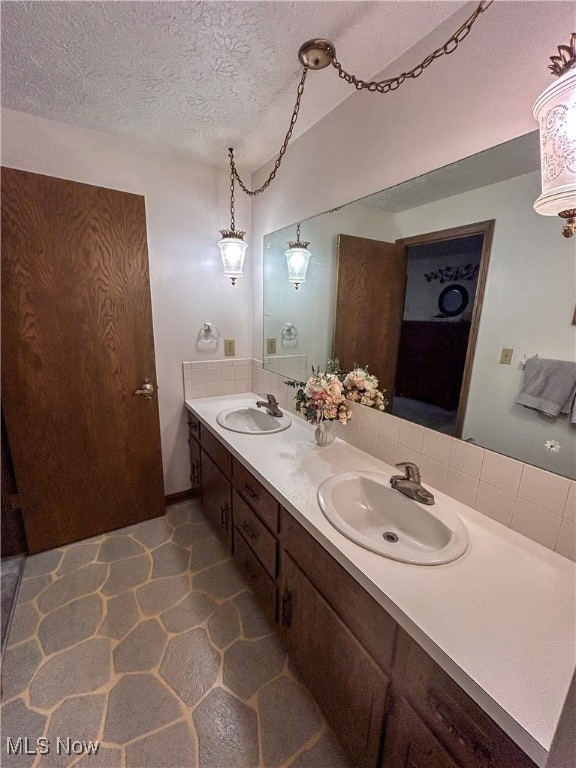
[
  {"x": 233, "y": 250},
  {"x": 297, "y": 259},
  {"x": 555, "y": 111}
]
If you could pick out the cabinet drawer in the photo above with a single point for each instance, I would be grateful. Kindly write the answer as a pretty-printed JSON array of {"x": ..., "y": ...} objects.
[
  {"x": 256, "y": 534},
  {"x": 371, "y": 624},
  {"x": 456, "y": 720},
  {"x": 260, "y": 583},
  {"x": 260, "y": 500},
  {"x": 217, "y": 452},
  {"x": 193, "y": 427}
]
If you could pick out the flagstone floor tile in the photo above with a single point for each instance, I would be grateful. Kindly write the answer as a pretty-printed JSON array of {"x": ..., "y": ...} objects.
[{"x": 148, "y": 642}]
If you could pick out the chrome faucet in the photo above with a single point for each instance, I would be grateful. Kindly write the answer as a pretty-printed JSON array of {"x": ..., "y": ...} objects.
[
  {"x": 409, "y": 483},
  {"x": 270, "y": 404}
]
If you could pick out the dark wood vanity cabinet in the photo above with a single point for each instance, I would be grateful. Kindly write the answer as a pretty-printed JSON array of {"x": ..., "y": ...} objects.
[
  {"x": 391, "y": 705},
  {"x": 348, "y": 685}
]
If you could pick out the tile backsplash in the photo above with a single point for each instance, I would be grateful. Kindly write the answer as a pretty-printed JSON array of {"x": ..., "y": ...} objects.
[{"x": 532, "y": 501}]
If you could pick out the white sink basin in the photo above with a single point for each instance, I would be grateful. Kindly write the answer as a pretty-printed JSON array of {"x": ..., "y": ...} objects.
[
  {"x": 252, "y": 421},
  {"x": 366, "y": 509}
]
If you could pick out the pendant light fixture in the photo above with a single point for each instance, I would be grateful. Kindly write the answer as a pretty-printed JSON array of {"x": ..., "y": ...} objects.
[
  {"x": 555, "y": 111},
  {"x": 318, "y": 54},
  {"x": 232, "y": 246},
  {"x": 297, "y": 257}
]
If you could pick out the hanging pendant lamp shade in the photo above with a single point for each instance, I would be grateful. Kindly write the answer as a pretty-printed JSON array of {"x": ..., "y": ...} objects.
[
  {"x": 297, "y": 257},
  {"x": 555, "y": 111},
  {"x": 233, "y": 250}
]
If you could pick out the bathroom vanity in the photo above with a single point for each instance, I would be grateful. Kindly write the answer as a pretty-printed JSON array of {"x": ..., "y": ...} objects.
[{"x": 465, "y": 664}]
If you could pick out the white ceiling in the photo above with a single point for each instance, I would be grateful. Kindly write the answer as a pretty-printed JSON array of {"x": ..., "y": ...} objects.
[{"x": 198, "y": 77}]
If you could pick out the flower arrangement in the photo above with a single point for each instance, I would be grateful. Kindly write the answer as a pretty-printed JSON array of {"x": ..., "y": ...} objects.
[{"x": 323, "y": 397}]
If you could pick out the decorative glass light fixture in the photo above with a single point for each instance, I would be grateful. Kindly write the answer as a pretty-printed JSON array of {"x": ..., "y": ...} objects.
[
  {"x": 320, "y": 53},
  {"x": 555, "y": 111},
  {"x": 232, "y": 246},
  {"x": 297, "y": 257}
]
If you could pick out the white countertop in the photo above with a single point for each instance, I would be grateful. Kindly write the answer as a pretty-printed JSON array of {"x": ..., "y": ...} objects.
[{"x": 500, "y": 620}]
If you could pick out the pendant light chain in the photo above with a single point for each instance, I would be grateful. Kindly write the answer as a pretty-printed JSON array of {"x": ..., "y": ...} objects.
[
  {"x": 384, "y": 86},
  {"x": 283, "y": 148}
]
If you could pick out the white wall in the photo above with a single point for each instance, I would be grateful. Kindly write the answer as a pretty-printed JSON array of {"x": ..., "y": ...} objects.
[
  {"x": 478, "y": 97},
  {"x": 311, "y": 307},
  {"x": 186, "y": 204},
  {"x": 528, "y": 306}
]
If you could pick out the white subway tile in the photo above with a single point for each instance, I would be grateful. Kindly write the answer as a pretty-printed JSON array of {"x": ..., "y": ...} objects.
[
  {"x": 437, "y": 446},
  {"x": 461, "y": 487},
  {"x": 187, "y": 389},
  {"x": 386, "y": 450},
  {"x": 367, "y": 441},
  {"x": 544, "y": 489},
  {"x": 570, "y": 507},
  {"x": 214, "y": 389},
  {"x": 241, "y": 361},
  {"x": 197, "y": 390},
  {"x": 242, "y": 372},
  {"x": 369, "y": 419},
  {"x": 433, "y": 472},
  {"x": 495, "y": 503},
  {"x": 198, "y": 376},
  {"x": 227, "y": 374},
  {"x": 222, "y": 363},
  {"x": 466, "y": 458},
  {"x": 242, "y": 386},
  {"x": 228, "y": 387},
  {"x": 411, "y": 435},
  {"x": 407, "y": 454},
  {"x": 566, "y": 542},
  {"x": 213, "y": 376},
  {"x": 501, "y": 472},
  {"x": 536, "y": 523},
  {"x": 389, "y": 427},
  {"x": 200, "y": 364}
]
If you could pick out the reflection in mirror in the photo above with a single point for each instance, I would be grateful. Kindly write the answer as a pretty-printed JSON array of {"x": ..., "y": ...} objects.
[{"x": 527, "y": 304}]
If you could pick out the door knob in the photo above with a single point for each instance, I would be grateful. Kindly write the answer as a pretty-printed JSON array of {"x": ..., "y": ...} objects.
[{"x": 146, "y": 389}]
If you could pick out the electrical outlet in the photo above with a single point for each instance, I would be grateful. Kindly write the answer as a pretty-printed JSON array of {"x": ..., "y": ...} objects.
[
  {"x": 506, "y": 356},
  {"x": 229, "y": 347},
  {"x": 271, "y": 346}
]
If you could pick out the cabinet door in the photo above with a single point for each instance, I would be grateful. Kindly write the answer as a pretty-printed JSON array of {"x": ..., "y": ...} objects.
[
  {"x": 195, "y": 469},
  {"x": 349, "y": 687},
  {"x": 409, "y": 743},
  {"x": 217, "y": 498}
]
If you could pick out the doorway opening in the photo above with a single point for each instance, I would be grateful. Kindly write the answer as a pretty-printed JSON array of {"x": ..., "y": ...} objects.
[{"x": 446, "y": 276}]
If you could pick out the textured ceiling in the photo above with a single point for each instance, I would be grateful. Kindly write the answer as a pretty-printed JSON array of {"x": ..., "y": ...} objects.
[{"x": 197, "y": 77}]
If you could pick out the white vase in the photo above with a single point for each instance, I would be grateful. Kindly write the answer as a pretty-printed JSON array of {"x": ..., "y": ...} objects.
[{"x": 323, "y": 434}]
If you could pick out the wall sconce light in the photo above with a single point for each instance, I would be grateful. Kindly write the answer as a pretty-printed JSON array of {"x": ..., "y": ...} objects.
[
  {"x": 320, "y": 53},
  {"x": 555, "y": 111},
  {"x": 232, "y": 246},
  {"x": 297, "y": 257}
]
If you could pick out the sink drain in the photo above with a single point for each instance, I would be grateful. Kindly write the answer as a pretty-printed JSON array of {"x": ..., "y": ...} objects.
[{"x": 391, "y": 537}]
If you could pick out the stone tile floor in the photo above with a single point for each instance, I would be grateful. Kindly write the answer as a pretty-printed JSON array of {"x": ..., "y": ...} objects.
[{"x": 148, "y": 640}]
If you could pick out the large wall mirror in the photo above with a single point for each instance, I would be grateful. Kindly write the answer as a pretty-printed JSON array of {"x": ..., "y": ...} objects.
[{"x": 442, "y": 285}]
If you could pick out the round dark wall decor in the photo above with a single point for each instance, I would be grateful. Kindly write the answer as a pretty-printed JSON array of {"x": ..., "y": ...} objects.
[{"x": 453, "y": 300}]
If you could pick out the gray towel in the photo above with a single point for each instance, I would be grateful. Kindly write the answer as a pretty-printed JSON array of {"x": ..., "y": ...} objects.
[{"x": 548, "y": 386}]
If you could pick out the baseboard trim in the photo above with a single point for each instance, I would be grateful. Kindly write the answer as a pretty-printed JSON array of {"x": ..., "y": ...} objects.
[{"x": 175, "y": 498}]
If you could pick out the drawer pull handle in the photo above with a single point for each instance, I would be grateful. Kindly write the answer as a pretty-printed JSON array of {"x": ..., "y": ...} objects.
[
  {"x": 250, "y": 491},
  {"x": 444, "y": 716},
  {"x": 252, "y": 535},
  {"x": 224, "y": 516},
  {"x": 193, "y": 425}
]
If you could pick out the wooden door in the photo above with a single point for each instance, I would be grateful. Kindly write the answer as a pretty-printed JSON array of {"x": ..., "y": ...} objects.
[
  {"x": 77, "y": 342},
  {"x": 348, "y": 685},
  {"x": 369, "y": 306}
]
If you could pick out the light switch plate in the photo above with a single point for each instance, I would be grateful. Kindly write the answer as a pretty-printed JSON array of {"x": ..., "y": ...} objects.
[
  {"x": 229, "y": 347},
  {"x": 506, "y": 356},
  {"x": 271, "y": 346}
]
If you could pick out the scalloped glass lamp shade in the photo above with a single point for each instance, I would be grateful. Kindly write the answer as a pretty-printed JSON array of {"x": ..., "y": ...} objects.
[
  {"x": 555, "y": 111},
  {"x": 297, "y": 259},
  {"x": 233, "y": 250}
]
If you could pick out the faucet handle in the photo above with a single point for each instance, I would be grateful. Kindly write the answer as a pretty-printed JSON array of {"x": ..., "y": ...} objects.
[{"x": 412, "y": 472}]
